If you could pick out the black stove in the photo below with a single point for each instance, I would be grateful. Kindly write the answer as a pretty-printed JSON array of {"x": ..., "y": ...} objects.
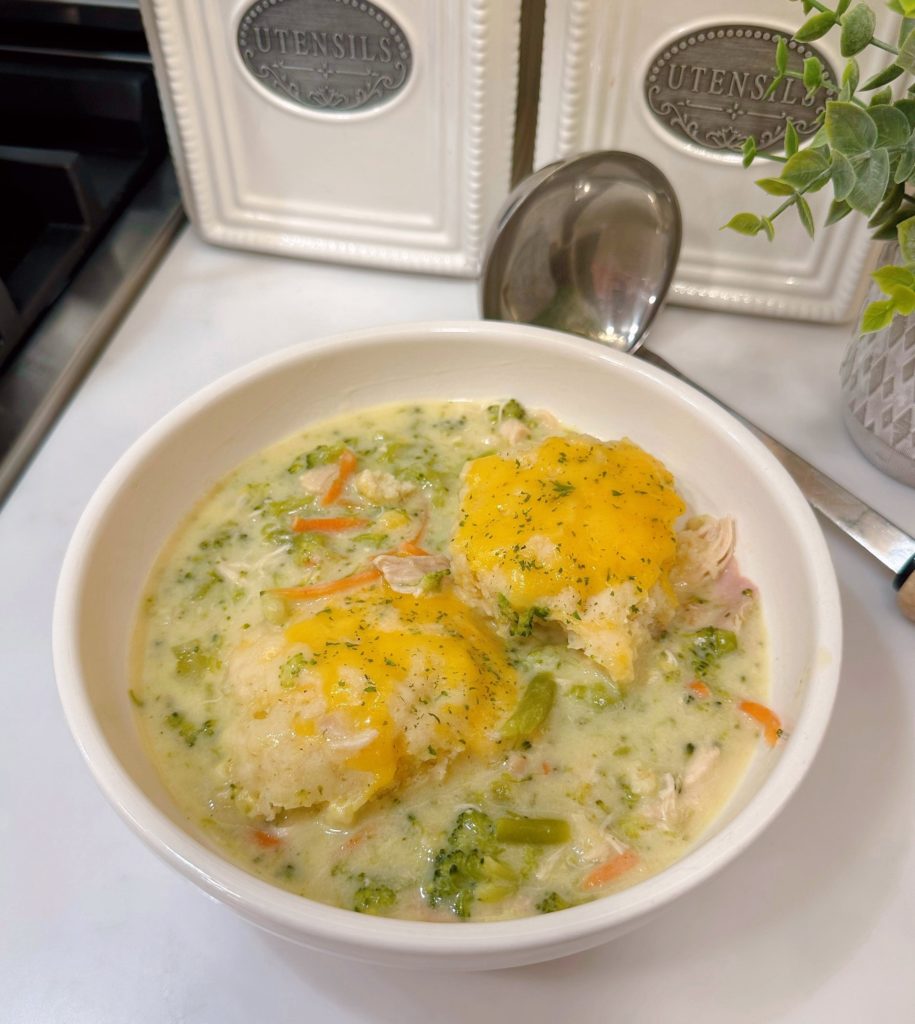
[{"x": 88, "y": 199}]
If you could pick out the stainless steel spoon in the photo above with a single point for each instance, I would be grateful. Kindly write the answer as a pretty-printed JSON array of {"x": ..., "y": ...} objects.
[{"x": 589, "y": 245}]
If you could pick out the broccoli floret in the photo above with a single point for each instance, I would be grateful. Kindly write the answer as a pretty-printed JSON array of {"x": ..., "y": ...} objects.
[
  {"x": 510, "y": 410},
  {"x": 194, "y": 659},
  {"x": 291, "y": 669},
  {"x": 320, "y": 456},
  {"x": 373, "y": 897},
  {"x": 552, "y": 902},
  {"x": 708, "y": 645},
  {"x": 469, "y": 867},
  {"x": 187, "y": 730},
  {"x": 520, "y": 623}
]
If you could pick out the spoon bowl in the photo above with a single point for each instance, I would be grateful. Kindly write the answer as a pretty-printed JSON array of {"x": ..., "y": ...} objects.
[{"x": 586, "y": 245}]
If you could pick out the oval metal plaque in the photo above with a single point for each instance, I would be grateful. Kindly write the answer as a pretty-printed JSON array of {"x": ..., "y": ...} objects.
[
  {"x": 336, "y": 56},
  {"x": 709, "y": 87}
]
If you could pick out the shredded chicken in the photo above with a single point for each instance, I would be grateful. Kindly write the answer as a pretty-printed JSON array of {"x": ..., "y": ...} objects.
[
  {"x": 699, "y": 765},
  {"x": 514, "y": 431},
  {"x": 666, "y": 805},
  {"x": 676, "y": 798},
  {"x": 318, "y": 479},
  {"x": 592, "y": 843},
  {"x": 707, "y": 577},
  {"x": 704, "y": 549},
  {"x": 407, "y": 573},
  {"x": 725, "y": 603},
  {"x": 237, "y": 573}
]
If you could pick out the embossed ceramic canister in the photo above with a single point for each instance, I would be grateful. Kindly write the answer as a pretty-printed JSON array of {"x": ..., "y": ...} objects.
[
  {"x": 364, "y": 132},
  {"x": 684, "y": 84}
]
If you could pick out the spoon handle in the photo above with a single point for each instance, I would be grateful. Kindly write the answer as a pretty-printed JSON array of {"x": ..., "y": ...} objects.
[{"x": 884, "y": 540}]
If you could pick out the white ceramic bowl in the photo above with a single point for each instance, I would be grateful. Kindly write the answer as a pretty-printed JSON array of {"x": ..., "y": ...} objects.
[{"x": 719, "y": 466}]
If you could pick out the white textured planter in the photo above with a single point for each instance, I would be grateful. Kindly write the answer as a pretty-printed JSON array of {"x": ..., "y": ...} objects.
[{"x": 878, "y": 391}]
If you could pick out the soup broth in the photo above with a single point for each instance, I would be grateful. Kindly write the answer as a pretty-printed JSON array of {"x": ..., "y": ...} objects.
[{"x": 451, "y": 661}]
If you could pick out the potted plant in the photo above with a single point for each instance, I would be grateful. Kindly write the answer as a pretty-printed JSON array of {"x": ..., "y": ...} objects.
[{"x": 864, "y": 151}]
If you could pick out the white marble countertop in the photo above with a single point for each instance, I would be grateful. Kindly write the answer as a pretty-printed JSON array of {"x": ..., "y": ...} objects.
[{"x": 816, "y": 922}]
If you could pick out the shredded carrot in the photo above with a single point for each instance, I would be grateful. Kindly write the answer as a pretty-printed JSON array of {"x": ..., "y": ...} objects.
[
  {"x": 611, "y": 869},
  {"x": 357, "y": 579},
  {"x": 345, "y": 468},
  {"x": 766, "y": 717},
  {"x": 266, "y": 839},
  {"x": 410, "y": 547},
  {"x": 547, "y": 767},
  {"x": 330, "y": 524},
  {"x": 699, "y": 688}
]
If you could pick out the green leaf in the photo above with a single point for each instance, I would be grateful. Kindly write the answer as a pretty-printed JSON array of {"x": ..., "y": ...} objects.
[
  {"x": 813, "y": 74},
  {"x": 843, "y": 175},
  {"x": 773, "y": 85},
  {"x": 803, "y": 209},
  {"x": 877, "y": 315},
  {"x": 792, "y": 142},
  {"x": 891, "y": 276},
  {"x": 888, "y": 231},
  {"x": 905, "y": 233},
  {"x": 849, "y": 129},
  {"x": 841, "y": 7},
  {"x": 803, "y": 169},
  {"x": 837, "y": 210},
  {"x": 908, "y": 108},
  {"x": 884, "y": 77},
  {"x": 906, "y": 164},
  {"x": 888, "y": 207},
  {"x": 905, "y": 27},
  {"x": 775, "y": 187},
  {"x": 744, "y": 224},
  {"x": 872, "y": 179},
  {"x": 819, "y": 140},
  {"x": 906, "y": 57},
  {"x": 882, "y": 98},
  {"x": 893, "y": 128},
  {"x": 851, "y": 75},
  {"x": 749, "y": 149},
  {"x": 857, "y": 30},
  {"x": 815, "y": 27},
  {"x": 903, "y": 299},
  {"x": 781, "y": 55}
]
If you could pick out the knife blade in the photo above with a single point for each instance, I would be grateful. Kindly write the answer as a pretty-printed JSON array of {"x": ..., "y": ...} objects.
[{"x": 883, "y": 539}]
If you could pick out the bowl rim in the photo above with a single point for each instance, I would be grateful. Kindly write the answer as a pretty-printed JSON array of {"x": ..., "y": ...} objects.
[{"x": 324, "y": 926}]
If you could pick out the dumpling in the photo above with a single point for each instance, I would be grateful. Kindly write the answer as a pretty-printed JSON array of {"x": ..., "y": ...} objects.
[{"x": 360, "y": 697}]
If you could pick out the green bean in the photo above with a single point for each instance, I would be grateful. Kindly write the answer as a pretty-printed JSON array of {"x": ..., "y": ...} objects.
[
  {"x": 533, "y": 707},
  {"x": 535, "y": 831}
]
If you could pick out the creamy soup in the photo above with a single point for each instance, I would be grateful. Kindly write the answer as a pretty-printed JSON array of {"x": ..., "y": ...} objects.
[{"x": 451, "y": 660}]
